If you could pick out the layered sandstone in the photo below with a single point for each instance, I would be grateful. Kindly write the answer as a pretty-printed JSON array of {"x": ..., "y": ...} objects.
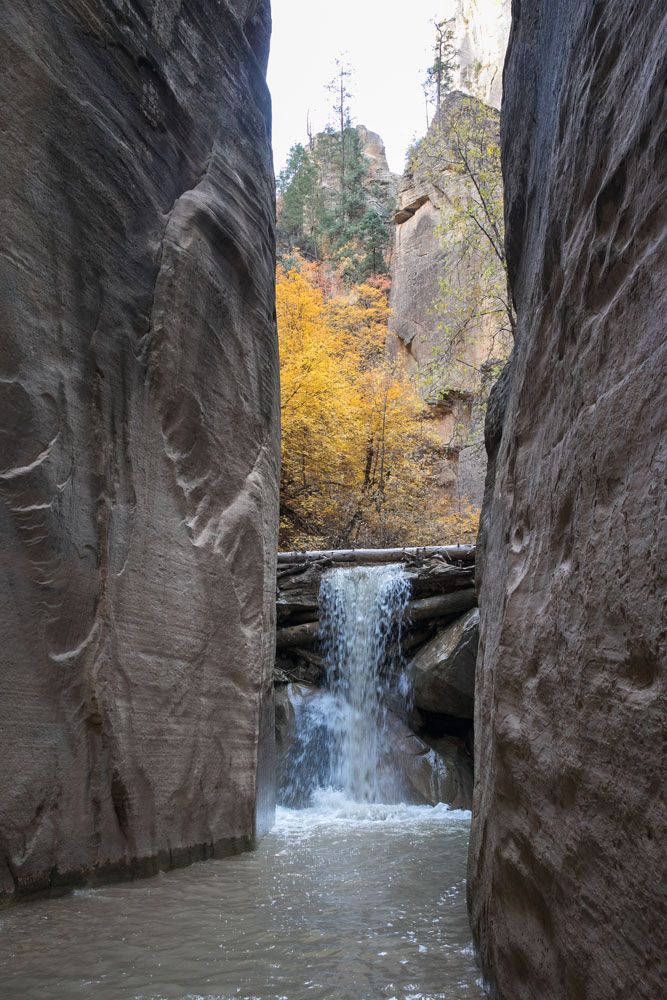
[
  {"x": 139, "y": 421},
  {"x": 380, "y": 184},
  {"x": 565, "y": 857}
]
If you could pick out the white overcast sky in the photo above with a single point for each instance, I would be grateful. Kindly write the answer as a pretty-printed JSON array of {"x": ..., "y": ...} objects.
[{"x": 389, "y": 47}]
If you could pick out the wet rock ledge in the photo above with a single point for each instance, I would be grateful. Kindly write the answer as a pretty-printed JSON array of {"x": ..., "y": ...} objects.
[{"x": 432, "y": 739}]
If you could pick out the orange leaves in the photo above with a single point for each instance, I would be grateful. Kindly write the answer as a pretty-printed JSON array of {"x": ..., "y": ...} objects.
[{"x": 358, "y": 459}]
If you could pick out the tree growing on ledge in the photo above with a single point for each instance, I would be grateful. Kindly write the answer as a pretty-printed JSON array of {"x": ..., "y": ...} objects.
[
  {"x": 440, "y": 75},
  {"x": 358, "y": 457}
]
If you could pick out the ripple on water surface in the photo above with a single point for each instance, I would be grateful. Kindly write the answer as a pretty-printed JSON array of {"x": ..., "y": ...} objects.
[{"x": 343, "y": 900}]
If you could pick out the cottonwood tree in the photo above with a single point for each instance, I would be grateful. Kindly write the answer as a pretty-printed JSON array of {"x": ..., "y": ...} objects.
[{"x": 359, "y": 460}]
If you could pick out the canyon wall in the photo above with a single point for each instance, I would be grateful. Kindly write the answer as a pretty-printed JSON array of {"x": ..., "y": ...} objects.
[
  {"x": 139, "y": 424},
  {"x": 566, "y": 856}
]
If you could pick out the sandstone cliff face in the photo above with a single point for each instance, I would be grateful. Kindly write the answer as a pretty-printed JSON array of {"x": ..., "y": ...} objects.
[
  {"x": 421, "y": 258},
  {"x": 481, "y": 29},
  {"x": 565, "y": 856},
  {"x": 139, "y": 421},
  {"x": 426, "y": 252}
]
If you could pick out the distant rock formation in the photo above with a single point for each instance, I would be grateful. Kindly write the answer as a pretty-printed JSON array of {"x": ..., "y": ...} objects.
[
  {"x": 567, "y": 854},
  {"x": 139, "y": 424},
  {"x": 381, "y": 185}
]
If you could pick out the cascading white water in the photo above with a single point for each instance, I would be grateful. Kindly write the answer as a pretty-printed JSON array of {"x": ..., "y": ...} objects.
[
  {"x": 361, "y": 619},
  {"x": 340, "y": 739}
]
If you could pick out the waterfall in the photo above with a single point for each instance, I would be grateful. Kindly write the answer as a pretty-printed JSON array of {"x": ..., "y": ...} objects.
[
  {"x": 341, "y": 731},
  {"x": 361, "y": 613}
]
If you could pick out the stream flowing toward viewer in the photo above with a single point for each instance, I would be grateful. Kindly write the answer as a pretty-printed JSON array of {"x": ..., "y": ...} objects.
[{"x": 353, "y": 896}]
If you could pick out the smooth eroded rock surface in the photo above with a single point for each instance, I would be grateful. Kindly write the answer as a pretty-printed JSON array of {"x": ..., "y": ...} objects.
[
  {"x": 443, "y": 671},
  {"x": 481, "y": 29},
  {"x": 569, "y": 821},
  {"x": 139, "y": 429}
]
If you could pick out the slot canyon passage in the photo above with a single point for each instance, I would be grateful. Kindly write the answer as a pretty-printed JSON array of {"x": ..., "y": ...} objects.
[{"x": 409, "y": 767}]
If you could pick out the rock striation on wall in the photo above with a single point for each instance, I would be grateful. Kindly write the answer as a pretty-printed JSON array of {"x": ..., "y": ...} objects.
[
  {"x": 565, "y": 856},
  {"x": 139, "y": 424}
]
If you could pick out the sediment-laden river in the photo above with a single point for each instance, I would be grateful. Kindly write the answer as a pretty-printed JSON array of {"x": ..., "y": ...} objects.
[{"x": 344, "y": 900}]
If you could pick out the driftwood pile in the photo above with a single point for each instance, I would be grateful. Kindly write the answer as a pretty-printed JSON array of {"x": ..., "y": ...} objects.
[{"x": 443, "y": 588}]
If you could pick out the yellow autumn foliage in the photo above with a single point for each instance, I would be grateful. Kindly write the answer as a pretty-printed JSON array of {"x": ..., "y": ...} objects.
[{"x": 359, "y": 455}]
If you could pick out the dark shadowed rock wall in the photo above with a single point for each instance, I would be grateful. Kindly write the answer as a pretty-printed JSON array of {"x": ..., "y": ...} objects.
[
  {"x": 565, "y": 862},
  {"x": 139, "y": 436}
]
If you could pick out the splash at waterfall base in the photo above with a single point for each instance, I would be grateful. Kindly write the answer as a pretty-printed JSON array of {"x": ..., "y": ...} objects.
[{"x": 356, "y": 731}]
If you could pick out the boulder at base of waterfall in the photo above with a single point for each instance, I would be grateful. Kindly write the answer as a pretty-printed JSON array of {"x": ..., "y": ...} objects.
[
  {"x": 412, "y": 771},
  {"x": 443, "y": 671},
  {"x": 408, "y": 769}
]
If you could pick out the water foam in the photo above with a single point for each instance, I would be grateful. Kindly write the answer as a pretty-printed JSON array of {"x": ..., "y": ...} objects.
[{"x": 333, "y": 809}]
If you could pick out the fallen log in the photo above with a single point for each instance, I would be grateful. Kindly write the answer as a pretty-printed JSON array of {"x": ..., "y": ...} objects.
[
  {"x": 430, "y": 608},
  {"x": 424, "y": 609},
  {"x": 298, "y": 584},
  {"x": 465, "y": 553},
  {"x": 298, "y": 635}
]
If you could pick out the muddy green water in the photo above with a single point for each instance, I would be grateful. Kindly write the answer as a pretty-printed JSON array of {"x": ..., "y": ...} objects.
[{"x": 344, "y": 900}]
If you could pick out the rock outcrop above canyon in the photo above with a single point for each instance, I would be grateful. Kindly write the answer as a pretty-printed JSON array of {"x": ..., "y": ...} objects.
[
  {"x": 380, "y": 184},
  {"x": 139, "y": 471},
  {"x": 568, "y": 815}
]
